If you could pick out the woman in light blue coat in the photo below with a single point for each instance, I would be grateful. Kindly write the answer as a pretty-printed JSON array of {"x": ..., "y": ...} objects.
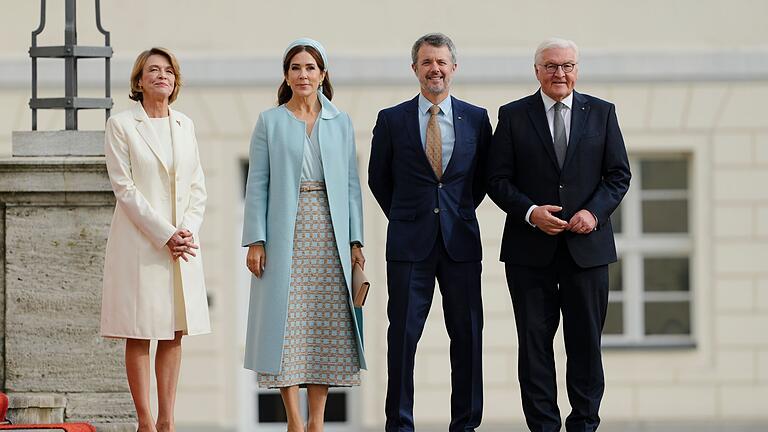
[{"x": 304, "y": 232}]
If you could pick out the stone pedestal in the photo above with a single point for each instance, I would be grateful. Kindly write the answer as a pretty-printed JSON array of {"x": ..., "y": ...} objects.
[
  {"x": 58, "y": 143},
  {"x": 54, "y": 220},
  {"x": 34, "y": 408}
]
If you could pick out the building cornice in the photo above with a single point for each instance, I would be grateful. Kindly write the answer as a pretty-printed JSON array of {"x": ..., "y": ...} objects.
[{"x": 230, "y": 71}]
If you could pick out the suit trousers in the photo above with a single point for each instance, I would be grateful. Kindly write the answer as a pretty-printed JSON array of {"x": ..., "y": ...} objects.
[
  {"x": 539, "y": 296},
  {"x": 411, "y": 287}
]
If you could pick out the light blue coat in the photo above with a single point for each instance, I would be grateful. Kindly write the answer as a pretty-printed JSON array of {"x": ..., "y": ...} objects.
[{"x": 271, "y": 202}]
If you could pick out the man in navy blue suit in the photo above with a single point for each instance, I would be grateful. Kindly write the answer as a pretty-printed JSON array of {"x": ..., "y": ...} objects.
[
  {"x": 427, "y": 172},
  {"x": 558, "y": 168}
]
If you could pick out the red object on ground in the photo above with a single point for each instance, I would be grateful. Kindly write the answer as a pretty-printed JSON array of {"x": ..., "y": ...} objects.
[
  {"x": 3, "y": 406},
  {"x": 66, "y": 427}
]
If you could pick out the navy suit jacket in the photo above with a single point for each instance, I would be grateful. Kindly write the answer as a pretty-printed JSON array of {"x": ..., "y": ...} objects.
[
  {"x": 523, "y": 171},
  {"x": 409, "y": 193}
]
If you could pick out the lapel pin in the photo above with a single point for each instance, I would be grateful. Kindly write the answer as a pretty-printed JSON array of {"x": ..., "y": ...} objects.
[{"x": 459, "y": 117}]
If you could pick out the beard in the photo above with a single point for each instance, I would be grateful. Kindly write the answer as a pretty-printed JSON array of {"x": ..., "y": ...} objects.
[{"x": 436, "y": 88}]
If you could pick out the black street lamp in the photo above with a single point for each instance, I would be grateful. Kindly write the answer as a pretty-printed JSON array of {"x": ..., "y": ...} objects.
[{"x": 71, "y": 53}]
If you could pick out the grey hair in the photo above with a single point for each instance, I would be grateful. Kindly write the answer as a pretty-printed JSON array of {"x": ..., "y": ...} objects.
[
  {"x": 555, "y": 43},
  {"x": 436, "y": 40}
]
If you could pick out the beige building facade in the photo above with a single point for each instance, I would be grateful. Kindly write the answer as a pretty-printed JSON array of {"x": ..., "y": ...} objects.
[{"x": 687, "y": 333}]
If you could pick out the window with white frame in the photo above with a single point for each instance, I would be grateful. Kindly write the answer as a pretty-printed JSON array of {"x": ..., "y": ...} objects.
[{"x": 650, "y": 301}]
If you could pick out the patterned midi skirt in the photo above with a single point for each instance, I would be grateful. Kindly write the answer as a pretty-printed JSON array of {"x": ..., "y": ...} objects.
[{"x": 319, "y": 345}]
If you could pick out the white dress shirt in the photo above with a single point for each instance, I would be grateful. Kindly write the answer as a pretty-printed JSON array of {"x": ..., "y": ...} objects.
[
  {"x": 549, "y": 109},
  {"x": 444, "y": 122}
]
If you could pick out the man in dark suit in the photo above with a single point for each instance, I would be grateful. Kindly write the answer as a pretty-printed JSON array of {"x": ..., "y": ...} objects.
[
  {"x": 558, "y": 168},
  {"x": 427, "y": 174}
]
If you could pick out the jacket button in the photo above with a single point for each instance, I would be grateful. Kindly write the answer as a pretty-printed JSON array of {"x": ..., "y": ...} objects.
[
  {"x": 439, "y": 185},
  {"x": 436, "y": 210}
]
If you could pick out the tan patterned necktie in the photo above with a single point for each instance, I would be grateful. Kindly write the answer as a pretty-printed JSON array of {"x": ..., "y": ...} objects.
[{"x": 434, "y": 142}]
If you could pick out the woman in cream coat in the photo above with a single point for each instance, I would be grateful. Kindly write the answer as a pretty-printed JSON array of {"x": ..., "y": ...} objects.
[{"x": 153, "y": 273}]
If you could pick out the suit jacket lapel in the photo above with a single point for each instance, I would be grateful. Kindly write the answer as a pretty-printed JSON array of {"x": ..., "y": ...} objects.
[
  {"x": 458, "y": 130},
  {"x": 539, "y": 119},
  {"x": 411, "y": 120},
  {"x": 176, "y": 140},
  {"x": 147, "y": 132},
  {"x": 579, "y": 114}
]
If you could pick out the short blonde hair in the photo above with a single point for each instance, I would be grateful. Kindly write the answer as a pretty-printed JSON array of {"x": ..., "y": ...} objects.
[{"x": 138, "y": 70}]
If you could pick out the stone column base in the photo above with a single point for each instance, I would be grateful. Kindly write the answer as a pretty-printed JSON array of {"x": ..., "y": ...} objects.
[
  {"x": 54, "y": 365},
  {"x": 36, "y": 408}
]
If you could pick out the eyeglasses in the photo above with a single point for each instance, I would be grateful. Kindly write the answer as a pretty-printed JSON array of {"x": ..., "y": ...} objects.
[{"x": 552, "y": 68}]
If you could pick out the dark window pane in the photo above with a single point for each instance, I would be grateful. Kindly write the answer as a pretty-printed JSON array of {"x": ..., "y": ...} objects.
[
  {"x": 336, "y": 407},
  {"x": 270, "y": 408},
  {"x": 614, "y": 321},
  {"x": 667, "y": 318},
  {"x": 616, "y": 220},
  {"x": 666, "y": 274},
  {"x": 615, "y": 282},
  {"x": 664, "y": 174},
  {"x": 665, "y": 216}
]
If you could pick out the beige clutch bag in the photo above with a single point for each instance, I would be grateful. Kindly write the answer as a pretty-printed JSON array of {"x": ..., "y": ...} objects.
[{"x": 360, "y": 286}]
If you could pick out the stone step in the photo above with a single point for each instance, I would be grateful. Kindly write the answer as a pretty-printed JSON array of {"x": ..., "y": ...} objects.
[
  {"x": 36, "y": 408},
  {"x": 108, "y": 412},
  {"x": 115, "y": 427}
]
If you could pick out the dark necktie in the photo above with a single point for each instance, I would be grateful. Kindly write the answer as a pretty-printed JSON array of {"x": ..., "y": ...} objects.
[{"x": 561, "y": 142}]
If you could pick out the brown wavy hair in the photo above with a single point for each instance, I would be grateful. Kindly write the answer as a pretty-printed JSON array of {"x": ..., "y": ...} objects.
[
  {"x": 284, "y": 92},
  {"x": 138, "y": 70}
]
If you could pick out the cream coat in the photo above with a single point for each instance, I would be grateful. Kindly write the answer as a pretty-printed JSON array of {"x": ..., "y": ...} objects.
[{"x": 137, "y": 299}]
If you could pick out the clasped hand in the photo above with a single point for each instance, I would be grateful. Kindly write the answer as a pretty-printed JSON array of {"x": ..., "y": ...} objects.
[
  {"x": 583, "y": 222},
  {"x": 358, "y": 257},
  {"x": 181, "y": 245}
]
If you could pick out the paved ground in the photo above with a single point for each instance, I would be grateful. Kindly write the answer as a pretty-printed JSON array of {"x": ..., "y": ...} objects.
[
  {"x": 709, "y": 426},
  {"x": 651, "y": 427}
]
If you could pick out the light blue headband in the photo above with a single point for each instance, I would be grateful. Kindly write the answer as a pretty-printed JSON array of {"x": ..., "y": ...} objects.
[{"x": 308, "y": 42}]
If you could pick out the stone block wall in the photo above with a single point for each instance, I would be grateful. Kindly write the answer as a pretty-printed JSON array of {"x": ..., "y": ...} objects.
[{"x": 56, "y": 214}]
